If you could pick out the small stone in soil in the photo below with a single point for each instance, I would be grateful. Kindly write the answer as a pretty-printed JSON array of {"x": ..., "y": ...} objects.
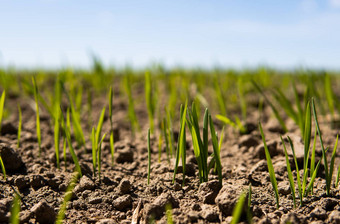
[
  {"x": 85, "y": 183},
  {"x": 11, "y": 158},
  {"x": 124, "y": 155},
  {"x": 21, "y": 182},
  {"x": 284, "y": 187},
  {"x": 209, "y": 213},
  {"x": 43, "y": 212},
  {"x": 124, "y": 186},
  {"x": 123, "y": 202}
]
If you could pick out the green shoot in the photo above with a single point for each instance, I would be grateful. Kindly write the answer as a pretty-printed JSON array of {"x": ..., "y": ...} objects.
[
  {"x": 68, "y": 196},
  {"x": 68, "y": 138},
  {"x": 99, "y": 156},
  {"x": 112, "y": 148},
  {"x": 57, "y": 136},
  {"x": 216, "y": 150},
  {"x": 249, "y": 213},
  {"x": 307, "y": 139},
  {"x": 236, "y": 125},
  {"x": 165, "y": 135},
  {"x": 149, "y": 100},
  {"x": 270, "y": 167},
  {"x": 220, "y": 98},
  {"x": 168, "y": 211},
  {"x": 3, "y": 168},
  {"x": 94, "y": 150},
  {"x": 329, "y": 94},
  {"x": 2, "y": 103},
  {"x": 19, "y": 126},
  {"x": 200, "y": 145},
  {"x": 337, "y": 177},
  {"x": 35, "y": 87},
  {"x": 312, "y": 161},
  {"x": 181, "y": 144},
  {"x": 14, "y": 219},
  {"x": 100, "y": 126},
  {"x": 297, "y": 172},
  {"x": 149, "y": 157},
  {"x": 290, "y": 174},
  {"x": 238, "y": 209},
  {"x": 328, "y": 171}
]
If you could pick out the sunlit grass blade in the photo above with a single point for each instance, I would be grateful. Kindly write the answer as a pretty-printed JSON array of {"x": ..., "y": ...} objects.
[
  {"x": 329, "y": 94},
  {"x": 57, "y": 136},
  {"x": 337, "y": 177},
  {"x": 15, "y": 219},
  {"x": 94, "y": 150},
  {"x": 2, "y": 103},
  {"x": 166, "y": 139},
  {"x": 322, "y": 148},
  {"x": 149, "y": 100},
  {"x": 181, "y": 144},
  {"x": 68, "y": 196},
  {"x": 3, "y": 168},
  {"x": 297, "y": 171},
  {"x": 238, "y": 209},
  {"x": 149, "y": 156},
  {"x": 160, "y": 143},
  {"x": 270, "y": 167},
  {"x": 168, "y": 211},
  {"x": 100, "y": 125},
  {"x": 99, "y": 156},
  {"x": 312, "y": 160},
  {"x": 35, "y": 88},
  {"x": 68, "y": 138},
  {"x": 331, "y": 166},
  {"x": 19, "y": 126},
  {"x": 290, "y": 174},
  {"x": 249, "y": 213},
  {"x": 216, "y": 150},
  {"x": 307, "y": 139},
  {"x": 275, "y": 111},
  {"x": 112, "y": 148},
  {"x": 311, "y": 182}
]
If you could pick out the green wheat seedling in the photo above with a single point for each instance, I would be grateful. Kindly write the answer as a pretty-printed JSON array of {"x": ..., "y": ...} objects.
[
  {"x": 95, "y": 138},
  {"x": 270, "y": 167},
  {"x": 2, "y": 104},
  {"x": 216, "y": 149},
  {"x": 57, "y": 135},
  {"x": 15, "y": 219},
  {"x": 181, "y": 144},
  {"x": 3, "y": 168},
  {"x": 328, "y": 170},
  {"x": 170, "y": 133},
  {"x": 19, "y": 126},
  {"x": 149, "y": 157},
  {"x": 99, "y": 156},
  {"x": 220, "y": 97},
  {"x": 237, "y": 125},
  {"x": 35, "y": 87},
  {"x": 275, "y": 111},
  {"x": 168, "y": 212},
  {"x": 94, "y": 150},
  {"x": 290, "y": 174},
  {"x": 150, "y": 100},
  {"x": 329, "y": 94},
  {"x": 337, "y": 177},
  {"x": 68, "y": 138},
  {"x": 112, "y": 147},
  {"x": 67, "y": 197},
  {"x": 200, "y": 145},
  {"x": 131, "y": 108},
  {"x": 160, "y": 143},
  {"x": 238, "y": 209}
]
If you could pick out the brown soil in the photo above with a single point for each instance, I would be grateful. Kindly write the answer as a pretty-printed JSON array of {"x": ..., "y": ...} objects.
[{"x": 122, "y": 195}]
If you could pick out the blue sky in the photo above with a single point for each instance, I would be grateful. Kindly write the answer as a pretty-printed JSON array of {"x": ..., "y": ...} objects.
[{"x": 283, "y": 34}]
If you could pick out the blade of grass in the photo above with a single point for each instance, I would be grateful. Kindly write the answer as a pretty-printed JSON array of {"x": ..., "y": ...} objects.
[
  {"x": 331, "y": 166},
  {"x": 312, "y": 161},
  {"x": 290, "y": 174},
  {"x": 94, "y": 150},
  {"x": 15, "y": 219},
  {"x": 57, "y": 135},
  {"x": 238, "y": 209},
  {"x": 149, "y": 156},
  {"x": 68, "y": 196},
  {"x": 307, "y": 139},
  {"x": 3, "y": 168},
  {"x": 322, "y": 148},
  {"x": 270, "y": 167},
  {"x": 216, "y": 150},
  {"x": 2, "y": 103},
  {"x": 99, "y": 156},
  {"x": 112, "y": 148}
]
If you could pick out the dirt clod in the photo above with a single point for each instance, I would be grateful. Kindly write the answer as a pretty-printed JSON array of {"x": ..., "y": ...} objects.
[
  {"x": 44, "y": 213},
  {"x": 227, "y": 198},
  {"x": 208, "y": 191},
  {"x": 123, "y": 202},
  {"x": 157, "y": 207},
  {"x": 124, "y": 186},
  {"x": 125, "y": 155},
  {"x": 11, "y": 158},
  {"x": 85, "y": 183}
]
